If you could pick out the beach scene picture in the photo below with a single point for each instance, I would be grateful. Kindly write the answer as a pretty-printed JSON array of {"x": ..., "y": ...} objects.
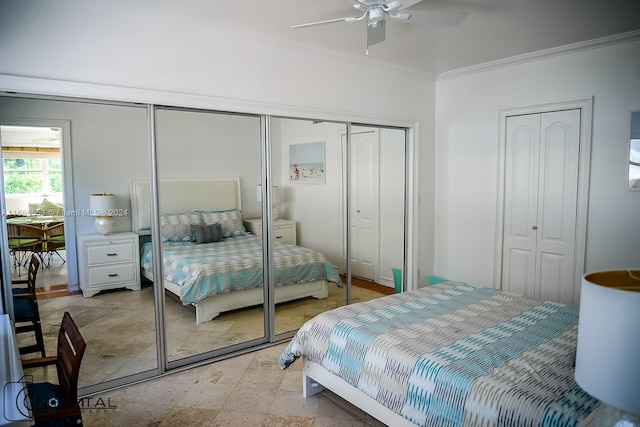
[{"x": 306, "y": 163}]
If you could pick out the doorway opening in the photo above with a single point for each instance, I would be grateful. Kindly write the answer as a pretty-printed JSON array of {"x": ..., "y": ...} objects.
[{"x": 34, "y": 202}]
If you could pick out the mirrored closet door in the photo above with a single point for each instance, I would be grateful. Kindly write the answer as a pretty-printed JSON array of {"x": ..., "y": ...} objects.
[
  {"x": 105, "y": 147},
  {"x": 208, "y": 167}
]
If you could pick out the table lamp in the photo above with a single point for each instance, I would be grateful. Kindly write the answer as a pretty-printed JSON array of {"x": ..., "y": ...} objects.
[
  {"x": 608, "y": 349},
  {"x": 102, "y": 206},
  {"x": 275, "y": 198}
]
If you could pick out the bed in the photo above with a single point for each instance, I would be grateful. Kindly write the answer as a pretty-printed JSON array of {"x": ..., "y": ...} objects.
[
  {"x": 226, "y": 273},
  {"x": 450, "y": 354}
]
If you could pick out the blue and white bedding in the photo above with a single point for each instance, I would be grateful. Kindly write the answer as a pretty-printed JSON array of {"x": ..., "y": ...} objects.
[
  {"x": 235, "y": 263},
  {"x": 454, "y": 355}
]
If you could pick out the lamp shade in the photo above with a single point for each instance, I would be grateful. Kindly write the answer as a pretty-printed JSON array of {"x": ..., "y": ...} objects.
[
  {"x": 102, "y": 204},
  {"x": 609, "y": 338},
  {"x": 275, "y": 194}
]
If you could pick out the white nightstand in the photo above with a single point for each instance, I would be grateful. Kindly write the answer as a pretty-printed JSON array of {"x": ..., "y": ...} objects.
[
  {"x": 284, "y": 229},
  {"x": 108, "y": 262}
]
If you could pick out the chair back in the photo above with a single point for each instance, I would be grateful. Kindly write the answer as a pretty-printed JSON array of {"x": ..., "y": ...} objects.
[
  {"x": 24, "y": 231},
  {"x": 32, "y": 274},
  {"x": 55, "y": 230},
  {"x": 71, "y": 348}
]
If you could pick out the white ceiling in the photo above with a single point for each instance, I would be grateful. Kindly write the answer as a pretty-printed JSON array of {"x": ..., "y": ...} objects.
[{"x": 492, "y": 30}]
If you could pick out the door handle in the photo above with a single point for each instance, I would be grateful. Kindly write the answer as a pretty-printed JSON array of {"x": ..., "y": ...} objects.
[{"x": 535, "y": 227}]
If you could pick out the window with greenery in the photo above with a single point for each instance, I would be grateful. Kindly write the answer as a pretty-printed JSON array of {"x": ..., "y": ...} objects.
[{"x": 32, "y": 176}]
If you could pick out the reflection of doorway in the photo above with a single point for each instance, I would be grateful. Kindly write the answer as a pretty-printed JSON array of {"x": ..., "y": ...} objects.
[
  {"x": 33, "y": 191},
  {"x": 364, "y": 203}
]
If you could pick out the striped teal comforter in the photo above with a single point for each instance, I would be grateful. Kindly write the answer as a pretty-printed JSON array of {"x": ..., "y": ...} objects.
[
  {"x": 206, "y": 269},
  {"x": 454, "y": 355}
]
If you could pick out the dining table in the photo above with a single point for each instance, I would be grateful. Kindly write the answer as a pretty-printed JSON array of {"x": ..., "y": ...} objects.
[{"x": 42, "y": 220}]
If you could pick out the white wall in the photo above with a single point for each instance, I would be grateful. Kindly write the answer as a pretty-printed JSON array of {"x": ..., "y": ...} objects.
[{"x": 467, "y": 136}]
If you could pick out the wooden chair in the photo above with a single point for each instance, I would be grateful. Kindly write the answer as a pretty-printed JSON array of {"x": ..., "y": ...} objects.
[
  {"x": 23, "y": 239},
  {"x": 57, "y": 404},
  {"x": 25, "y": 308},
  {"x": 53, "y": 243}
]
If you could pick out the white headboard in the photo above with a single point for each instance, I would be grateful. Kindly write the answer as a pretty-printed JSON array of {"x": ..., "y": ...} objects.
[{"x": 183, "y": 195}]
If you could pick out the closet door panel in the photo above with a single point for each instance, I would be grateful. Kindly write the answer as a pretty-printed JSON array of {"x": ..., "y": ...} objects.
[
  {"x": 521, "y": 195},
  {"x": 559, "y": 148}
]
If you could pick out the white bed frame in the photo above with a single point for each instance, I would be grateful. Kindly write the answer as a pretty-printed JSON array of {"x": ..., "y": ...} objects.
[
  {"x": 316, "y": 378},
  {"x": 208, "y": 194}
]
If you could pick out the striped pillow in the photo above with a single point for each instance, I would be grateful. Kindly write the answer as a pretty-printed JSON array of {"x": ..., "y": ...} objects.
[
  {"x": 230, "y": 220},
  {"x": 176, "y": 227}
]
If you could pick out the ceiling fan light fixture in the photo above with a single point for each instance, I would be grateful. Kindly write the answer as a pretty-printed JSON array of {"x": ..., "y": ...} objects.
[{"x": 392, "y": 6}]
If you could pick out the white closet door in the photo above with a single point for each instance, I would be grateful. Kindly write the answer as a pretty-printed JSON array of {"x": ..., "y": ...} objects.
[
  {"x": 521, "y": 201},
  {"x": 557, "y": 206},
  {"x": 541, "y": 187},
  {"x": 364, "y": 196}
]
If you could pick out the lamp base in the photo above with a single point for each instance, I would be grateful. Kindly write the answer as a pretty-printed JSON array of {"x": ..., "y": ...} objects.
[
  {"x": 105, "y": 224},
  {"x": 606, "y": 415}
]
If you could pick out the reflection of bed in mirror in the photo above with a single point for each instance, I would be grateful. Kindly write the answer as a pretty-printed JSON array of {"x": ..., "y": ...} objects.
[{"x": 222, "y": 274}]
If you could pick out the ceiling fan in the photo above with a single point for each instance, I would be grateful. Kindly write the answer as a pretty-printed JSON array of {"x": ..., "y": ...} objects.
[{"x": 376, "y": 11}]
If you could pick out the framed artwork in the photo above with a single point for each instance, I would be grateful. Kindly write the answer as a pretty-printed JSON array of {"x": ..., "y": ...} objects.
[{"x": 307, "y": 163}]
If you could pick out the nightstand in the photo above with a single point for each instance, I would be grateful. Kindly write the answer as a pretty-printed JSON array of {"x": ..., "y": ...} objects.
[
  {"x": 108, "y": 262},
  {"x": 284, "y": 230}
]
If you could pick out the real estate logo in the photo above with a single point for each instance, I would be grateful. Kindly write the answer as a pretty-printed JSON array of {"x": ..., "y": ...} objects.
[{"x": 17, "y": 403}]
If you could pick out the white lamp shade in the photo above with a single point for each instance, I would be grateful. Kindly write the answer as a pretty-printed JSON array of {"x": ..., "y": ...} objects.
[
  {"x": 102, "y": 204},
  {"x": 608, "y": 348},
  {"x": 275, "y": 194}
]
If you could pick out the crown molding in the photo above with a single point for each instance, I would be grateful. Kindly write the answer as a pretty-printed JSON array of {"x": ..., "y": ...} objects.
[{"x": 541, "y": 54}]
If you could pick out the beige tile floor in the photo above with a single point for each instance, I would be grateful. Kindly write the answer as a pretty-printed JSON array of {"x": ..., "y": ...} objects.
[{"x": 246, "y": 390}]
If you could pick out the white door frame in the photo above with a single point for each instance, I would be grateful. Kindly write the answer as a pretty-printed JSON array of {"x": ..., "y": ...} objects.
[
  {"x": 67, "y": 176},
  {"x": 586, "y": 116}
]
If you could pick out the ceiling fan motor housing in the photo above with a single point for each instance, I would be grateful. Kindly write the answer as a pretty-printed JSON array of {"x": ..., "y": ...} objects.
[{"x": 376, "y": 14}]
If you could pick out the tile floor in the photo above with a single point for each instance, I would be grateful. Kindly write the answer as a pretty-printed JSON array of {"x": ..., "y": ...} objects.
[{"x": 246, "y": 390}]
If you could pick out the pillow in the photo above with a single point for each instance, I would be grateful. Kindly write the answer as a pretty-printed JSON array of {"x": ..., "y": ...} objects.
[
  {"x": 230, "y": 221},
  {"x": 206, "y": 233},
  {"x": 47, "y": 207},
  {"x": 176, "y": 227}
]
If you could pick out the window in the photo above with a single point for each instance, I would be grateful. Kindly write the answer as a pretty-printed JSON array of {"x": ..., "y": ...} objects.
[{"x": 32, "y": 176}]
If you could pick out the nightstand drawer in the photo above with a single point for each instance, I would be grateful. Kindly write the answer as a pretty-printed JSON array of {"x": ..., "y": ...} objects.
[
  {"x": 110, "y": 274},
  {"x": 284, "y": 235},
  {"x": 119, "y": 252},
  {"x": 284, "y": 230}
]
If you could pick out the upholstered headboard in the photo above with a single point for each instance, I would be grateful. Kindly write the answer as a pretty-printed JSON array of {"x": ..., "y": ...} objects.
[{"x": 183, "y": 195}]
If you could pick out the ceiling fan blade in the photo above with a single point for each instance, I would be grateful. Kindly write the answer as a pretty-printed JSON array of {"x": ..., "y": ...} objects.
[
  {"x": 328, "y": 21},
  {"x": 407, "y": 3},
  {"x": 448, "y": 19},
  {"x": 376, "y": 32}
]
